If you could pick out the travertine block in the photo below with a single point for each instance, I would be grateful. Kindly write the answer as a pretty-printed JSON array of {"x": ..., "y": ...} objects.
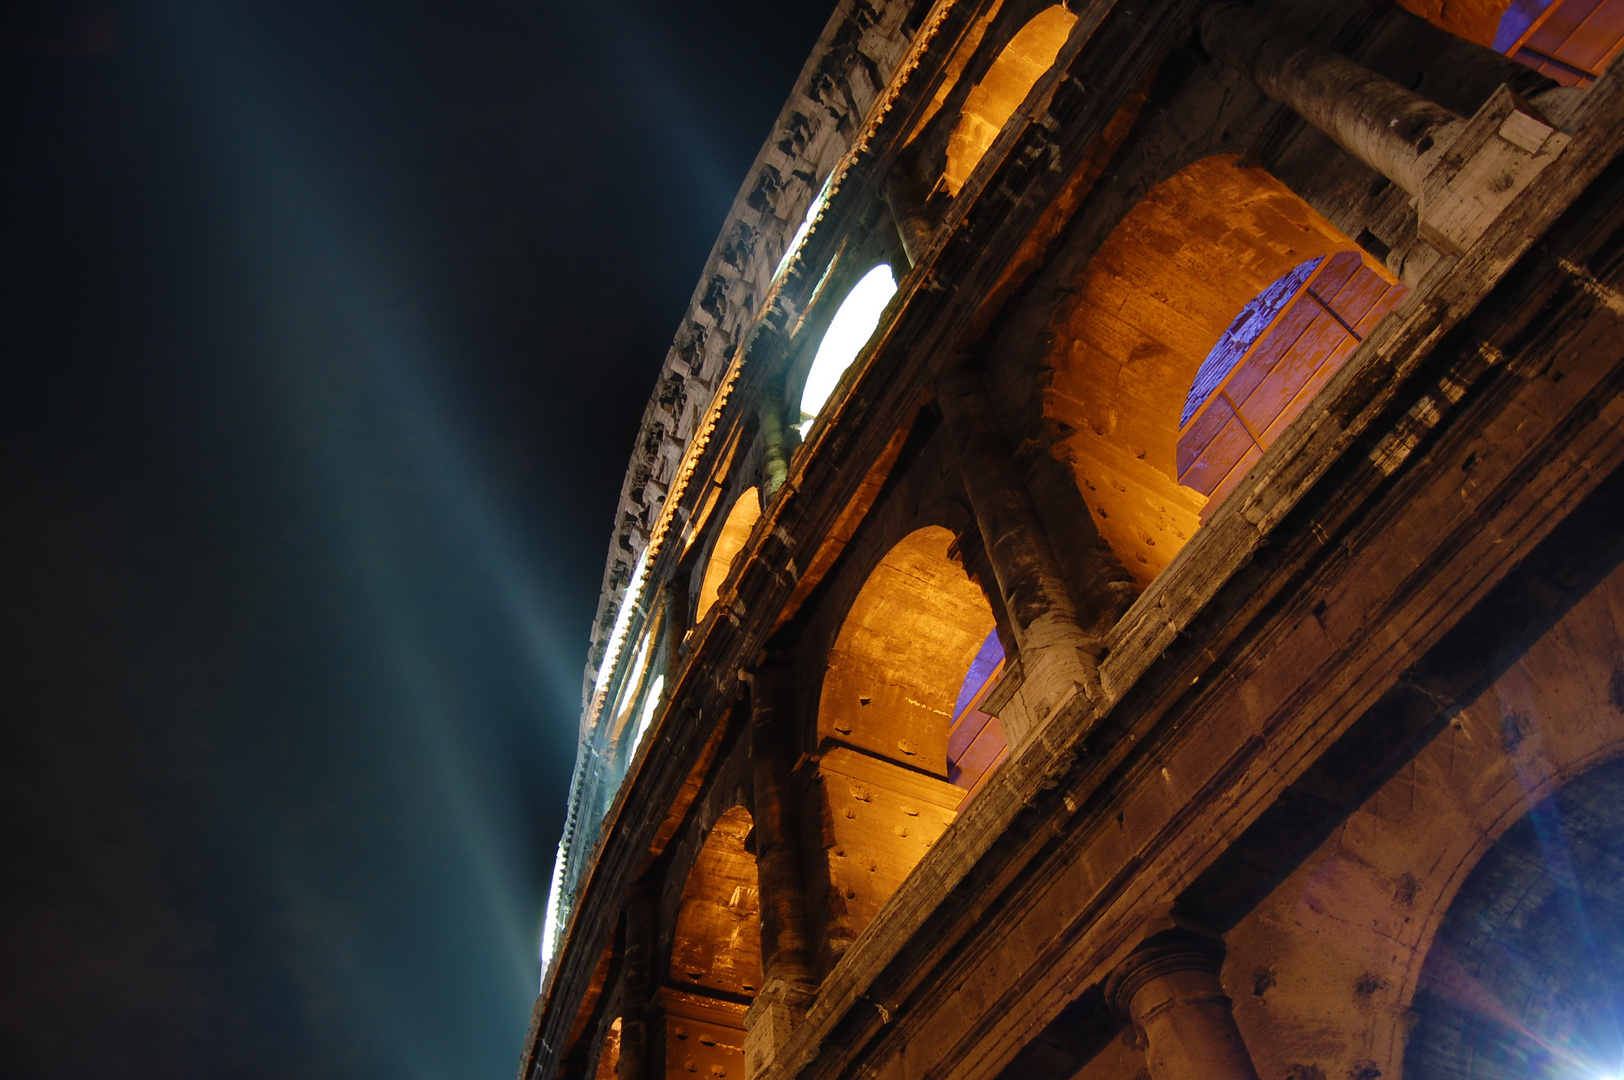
[
  {"x": 1496, "y": 154},
  {"x": 875, "y": 821},
  {"x": 768, "y": 1023},
  {"x": 704, "y": 1036}
]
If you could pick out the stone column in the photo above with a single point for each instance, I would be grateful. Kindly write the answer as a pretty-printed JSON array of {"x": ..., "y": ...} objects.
[
  {"x": 1168, "y": 989},
  {"x": 775, "y": 466},
  {"x": 639, "y": 1015},
  {"x": 1042, "y": 615},
  {"x": 1393, "y": 130},
  {"x": 908, "y": 211},
  {"x": 786, "y": 985},
  {"x": 675, "y": 628}
]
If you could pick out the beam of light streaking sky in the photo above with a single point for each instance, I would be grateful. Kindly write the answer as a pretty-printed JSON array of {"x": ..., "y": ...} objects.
[
  {"x": 325, "y": 291},
  {"x": 622, "y": 38}
]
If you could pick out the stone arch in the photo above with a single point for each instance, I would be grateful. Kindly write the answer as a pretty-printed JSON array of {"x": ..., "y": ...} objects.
[
  {"x": 884, "y": 788},
  {"x": 716, "y": 943},
  {"x": 1148, "y": 309},
  {"x": 608, "y": 1066},
  {"x": 899, "y": 661},
  {"x": 1525, "y": 976},
  {"x": 850, "y": 327},
  {"x": 715, "y": 963},
  {"x": 1325, "y": 971},
  {"x": 993, "y": 100},
  {"x": 730, "y": 540}
]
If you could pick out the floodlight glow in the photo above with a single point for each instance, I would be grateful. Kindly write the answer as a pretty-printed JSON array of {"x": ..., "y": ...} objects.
[
  {"x": 629, "y": 687},
  {"x": 549, "y": 926},
  {"x": 807, "y": 222},
  {"x": 617, "y": 637},
  {"x": 848, "y": 332},
  {"x": 650, "y": 703}
]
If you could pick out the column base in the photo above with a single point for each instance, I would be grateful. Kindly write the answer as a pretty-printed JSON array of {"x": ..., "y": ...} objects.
[
  {"x": 1037, "y": 686},
  {"x": 1487, "y": 162},
  {"x": 776, "y": 1012}
]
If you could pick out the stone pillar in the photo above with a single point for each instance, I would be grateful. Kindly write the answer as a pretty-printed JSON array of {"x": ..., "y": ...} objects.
[
  {"x": 1393, "y": 130},
  {"x": 786, "y": 983},
  {"x": 908, "y": 211},
  {"x": 1042, "y": 615},
  {"x": 677, "y": 616},
  {"x": 775, "y": 466},
  {"x": 1168, "y": 989},
  {"x": 639, "y": 1012}
]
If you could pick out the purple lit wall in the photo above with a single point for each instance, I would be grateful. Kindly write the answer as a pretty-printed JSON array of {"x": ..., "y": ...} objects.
[{"x": 1285, "y": 345}]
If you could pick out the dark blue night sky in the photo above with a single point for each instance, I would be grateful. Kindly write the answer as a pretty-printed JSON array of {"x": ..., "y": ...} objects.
[{"x": 326, "y": 331}]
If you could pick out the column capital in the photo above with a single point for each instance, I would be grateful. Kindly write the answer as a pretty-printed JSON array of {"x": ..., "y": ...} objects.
[
  {"x": 1169, "y": 990},
  {"x": 1168, "y": 952}
]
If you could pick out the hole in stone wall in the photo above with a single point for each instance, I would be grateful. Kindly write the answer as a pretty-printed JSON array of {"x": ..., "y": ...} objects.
[
  {"x": 1284, "y": 346},
  {"x": 651, "y": 704},
  {"x": 1374, "y": 244},
  {"x": 990, "y": 104},
  {"x": 716, "y": 943},
  {"x": 853, "y": 324},
  {"x": 976, "y": 744},
  {"x": 1134, "y": 336},
  {"x": 730, "y": 540},
  {"x": 1525, "y": 979},
  {"x": 917, "y": 625},
  {"x": 609, "y": 1053}
]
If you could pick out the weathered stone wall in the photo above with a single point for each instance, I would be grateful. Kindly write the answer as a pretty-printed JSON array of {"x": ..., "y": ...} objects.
[
  {"x": 1291, "y": 732},
  {"x": 1324, "y": 972},
  {"x": 842, "y": 79}
]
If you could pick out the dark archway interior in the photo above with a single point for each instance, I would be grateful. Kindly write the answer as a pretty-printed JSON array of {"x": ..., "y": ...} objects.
[{"x": 1526, "y": 977}]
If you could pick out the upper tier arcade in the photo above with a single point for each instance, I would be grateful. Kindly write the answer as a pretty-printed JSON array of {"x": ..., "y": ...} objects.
[{"x": 1128, "y": 522}]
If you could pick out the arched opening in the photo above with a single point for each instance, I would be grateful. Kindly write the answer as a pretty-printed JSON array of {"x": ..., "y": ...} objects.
[
  {"x": 1570, "y": 41},
  {"x": 976, "y": 744},
  {"x": 741, "y": 518},
  {"x": 993, "y": 100},
  {"x": 853, "y": 324},
  {"x": 903, "y": 740},
  {"x": 1154, "y": 301},
  {"x": 1346, "y": 939},
  {"x": 609, "y": 1053},
  {"x": 651, "y": 706},
  {"x": 635, "y": 705},
  {"x": 715, "y": 968},
  {"x": 1525, "y": 978},
  {"x": 1281, "y": 349},
  {"x": 717, "y": 941},
  {"x": 624, "y": 732},
  {"x": 900, "y": 659}
]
